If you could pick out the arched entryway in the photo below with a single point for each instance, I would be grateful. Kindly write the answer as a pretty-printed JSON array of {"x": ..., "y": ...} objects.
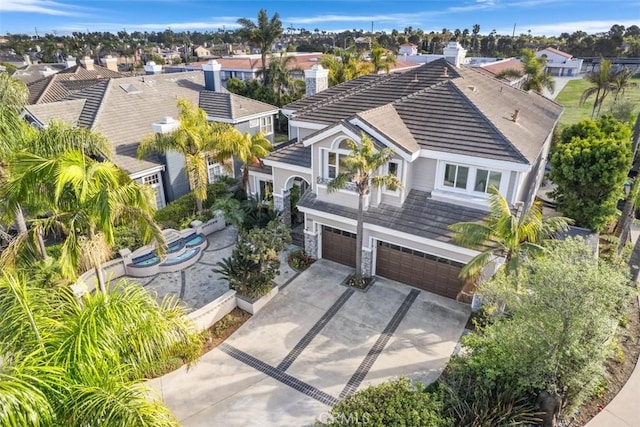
[{"x": 295, "y": 187}]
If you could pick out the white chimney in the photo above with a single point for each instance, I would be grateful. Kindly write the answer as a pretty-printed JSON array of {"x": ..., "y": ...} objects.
[
  {"x": 316, "y": 80},
  {"x": 152, "y": 68},
  {"x": 212, "y": 80},
  {"x": 87, "y": 63},
  {"x": 110, "y": 62},
  {"x": 166, "y": 125},
  {"x": 70, "y": 62},
  {"x": 454, "y": 53}
]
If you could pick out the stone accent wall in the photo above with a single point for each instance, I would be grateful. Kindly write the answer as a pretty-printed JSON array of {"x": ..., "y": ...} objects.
[
  {"x": 367, "y": 262},
  {"x": 311, "y": 243},
  {"x": 277, "y": 202},
  {"x": 286, "y": 208}
]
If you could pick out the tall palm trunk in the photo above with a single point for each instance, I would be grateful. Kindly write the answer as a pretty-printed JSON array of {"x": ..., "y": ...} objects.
[
  {"x": 199, "y": 207},
  {"x": 359, "y": 231},
  {"x": 41, "y": 246},
  {"x": 21, "y": 224},
  {"x": 595, "y": 104},
  {"x": 623, "y": 226}
]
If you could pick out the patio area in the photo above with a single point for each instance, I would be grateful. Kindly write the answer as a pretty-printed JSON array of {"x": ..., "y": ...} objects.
[{"x": 199, "y": 284}]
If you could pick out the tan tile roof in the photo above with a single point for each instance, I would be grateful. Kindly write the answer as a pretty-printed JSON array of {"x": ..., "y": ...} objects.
[
  {"x": 494, "y": 68},
  {"x": 231, "y": 106},
  {"x": 464, "y": 111},
  {"x": 70, "y": 80},
  {"x": 124, "y": 110},
  {"x": 558, "y": 52},
  {"x": 65, "y": 111}
]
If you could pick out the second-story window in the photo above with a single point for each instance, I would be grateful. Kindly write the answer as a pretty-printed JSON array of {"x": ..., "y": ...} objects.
[
  {"x": 456, "y": 176},
  {"x": 266, "y": 125},
  {"x": 486, "y": 178}
]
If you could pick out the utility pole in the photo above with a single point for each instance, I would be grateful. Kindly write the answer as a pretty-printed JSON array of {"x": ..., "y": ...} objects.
[{"x": 514, "y": 30}]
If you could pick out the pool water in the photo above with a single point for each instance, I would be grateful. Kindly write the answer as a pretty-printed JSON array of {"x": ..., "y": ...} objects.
[
  {"x": 183, "y": 256},
  {"x": 175, "y": 246},
  {"x": 194, "y": 240},
  {"x": 149, "y": 261}
]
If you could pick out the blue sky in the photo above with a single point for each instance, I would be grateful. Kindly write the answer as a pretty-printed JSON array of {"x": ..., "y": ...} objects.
[{"x": 549, "y": 17}]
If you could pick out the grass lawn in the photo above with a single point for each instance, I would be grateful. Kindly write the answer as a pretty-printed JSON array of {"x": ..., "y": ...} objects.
[{"x": 570, "y": 99}]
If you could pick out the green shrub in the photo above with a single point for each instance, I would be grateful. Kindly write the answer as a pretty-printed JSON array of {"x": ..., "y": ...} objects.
[
  {"x": 54, "y": 250},
  {"x": 254, "y": 262},
  {"x": 300, "y": 260},
  {"x": 126, "y": 237},
  {"x": 393, "y": 403},
  {"x": 180, "y": 212}
]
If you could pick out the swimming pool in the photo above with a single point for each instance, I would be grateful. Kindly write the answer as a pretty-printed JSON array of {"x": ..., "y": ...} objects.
[
  {"x": 189, "y": 253},
  {"x": 147, "y": 261},
  {"x": 194, "y": 240},
  {"x": 175, "y": 246}
]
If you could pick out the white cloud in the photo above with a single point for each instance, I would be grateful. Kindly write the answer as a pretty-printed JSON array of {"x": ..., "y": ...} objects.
[
  {"x": 175, "y": 26},
  {"x": 45, "y": 7}
]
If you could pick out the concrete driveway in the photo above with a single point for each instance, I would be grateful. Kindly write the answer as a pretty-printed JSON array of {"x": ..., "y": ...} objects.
[{"x": 314, "y": 344}]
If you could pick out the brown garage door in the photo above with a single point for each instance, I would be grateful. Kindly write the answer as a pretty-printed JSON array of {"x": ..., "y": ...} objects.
[
  {"x": 339, "y": 246},
  {"x": 424, "y": 271}
]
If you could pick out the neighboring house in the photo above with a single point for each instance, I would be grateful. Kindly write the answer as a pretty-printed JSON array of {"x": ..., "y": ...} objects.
[
  {"x": 34, "y": 72},
  {"x": 560, "y": 63},
  {"x": 202, "y": 52},
  {"x": 408, "y": 49},
  {"x": 494, "y": 69},
  {"x": 126, "y": 110},
  {"x": 248, "y": 67},
  {"x": 72, "y": 79},
  {"x": 454, "y": 132}
]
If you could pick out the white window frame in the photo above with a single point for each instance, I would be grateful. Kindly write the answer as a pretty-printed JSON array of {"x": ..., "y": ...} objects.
[
  {"x": 398, "y": 174},
  {"x": 266, "y": 125},
  {"x": 155, "y": 182},
  {"x": 212, "y": 166},
  {"x": 471, "y": 179},
  {"x": 488, "y": 181},
  {"x": 325, "y": 160}
]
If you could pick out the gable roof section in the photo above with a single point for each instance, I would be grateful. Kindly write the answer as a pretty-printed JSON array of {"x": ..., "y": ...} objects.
[
  {"x": 388, "y": 123},
  {"x": 64, "y": 111},
  {"x": 493, "y": 69},
  {"x": 233, "y": 107}
]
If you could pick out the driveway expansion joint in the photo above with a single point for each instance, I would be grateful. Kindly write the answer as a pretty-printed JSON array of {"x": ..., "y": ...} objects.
[
  {"x": 278, "y": 375},
  {"x": 314, "y": 331},
  {"x": 378, "y": 347}
]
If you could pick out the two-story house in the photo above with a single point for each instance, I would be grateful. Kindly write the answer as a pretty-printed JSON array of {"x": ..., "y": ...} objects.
[
  {"x": 125, "y": 110},
  {"x": 454, "y": 132}
]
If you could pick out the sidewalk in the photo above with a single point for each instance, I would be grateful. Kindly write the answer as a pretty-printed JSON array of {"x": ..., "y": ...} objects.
[{"x": 623, "y": 410}]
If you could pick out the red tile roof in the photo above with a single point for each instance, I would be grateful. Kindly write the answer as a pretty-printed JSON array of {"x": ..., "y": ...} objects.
[{"x": 558, "y": 52}]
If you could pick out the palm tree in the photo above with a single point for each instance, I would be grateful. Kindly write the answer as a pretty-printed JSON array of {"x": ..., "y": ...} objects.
[
  {"x": 622, "y": 80},
  {"x": 535, "y": 77},
  {"x": 13, "y": 131},
  {"x": 248, "y": 149},
  {"x": 195, "y": 139},
  {"x": 381, "y": 59},
  {"x": 70, "y": 360},
  {"x": 263, "y": 34},
  {"x": 360, "y": 171},
  {"x": 345, "y": 65},
  {"x": 601, "y": 86},
  {"x": 280, "y": 79},
  {"x": 87, "y": 199},
  {"x": 504, "y": 233}
]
